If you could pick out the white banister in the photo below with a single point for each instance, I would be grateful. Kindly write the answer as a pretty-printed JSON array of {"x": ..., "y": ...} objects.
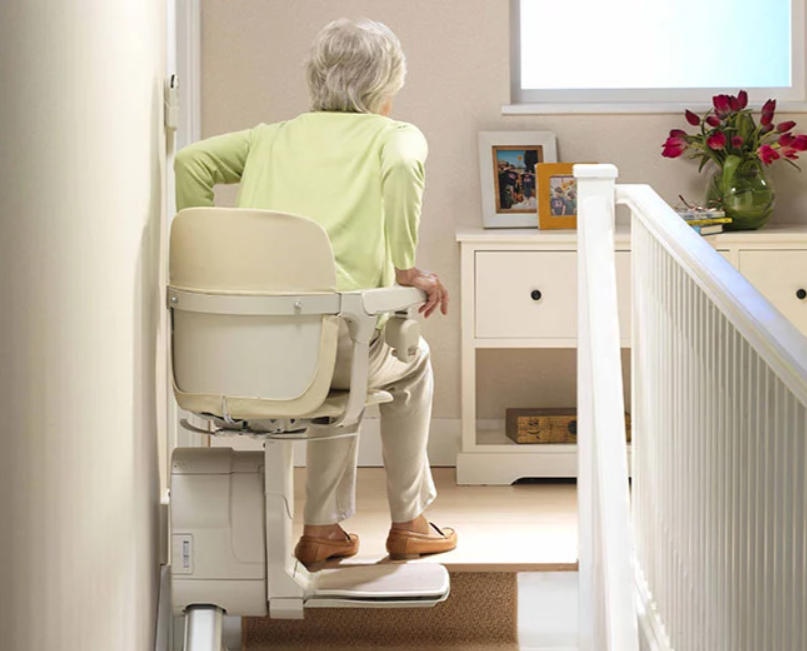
[
  {"x": 607, "y": 606},
  {"x": 719, "y": 447}
]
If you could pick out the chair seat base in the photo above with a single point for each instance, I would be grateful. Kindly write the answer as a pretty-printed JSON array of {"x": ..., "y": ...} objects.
[{"x": 389, "y": 585}]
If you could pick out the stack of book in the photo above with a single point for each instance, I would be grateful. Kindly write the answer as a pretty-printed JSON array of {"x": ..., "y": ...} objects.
[{"x": 705, "y": 221}]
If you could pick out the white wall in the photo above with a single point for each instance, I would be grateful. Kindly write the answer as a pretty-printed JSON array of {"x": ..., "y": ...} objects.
[
  {"x": 81, "y": 150},
  {"x": 459, "y": 77}
]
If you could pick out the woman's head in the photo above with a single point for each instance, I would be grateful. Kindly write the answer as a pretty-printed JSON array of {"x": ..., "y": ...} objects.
[{"x": 355, "y": 66}]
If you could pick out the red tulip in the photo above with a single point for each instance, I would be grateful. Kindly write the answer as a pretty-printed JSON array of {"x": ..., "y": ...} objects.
[
  {"x": 717, "y": 140},
  {"x": 713, "y": 121},
  {"x": 674, "y": 147},
  {"x": 722, "y": 104},
  {"x": 785, "y": 126},
  {"x": 693, "y": 119},
  {"x": 767, "y": 154},
  {"x": 743, "y": 98},
  {"x": 800, "y": 143},
  {"x": 734, "y": 103},
  {"x": 789, "y": 152},
  {"x": 765, "y": 128},
  {"x": 768, "y": 109},
  {"x": 786, "y": 139},
  {"x": 737, "y": 142},
  {"x": 678, "y": 133}
]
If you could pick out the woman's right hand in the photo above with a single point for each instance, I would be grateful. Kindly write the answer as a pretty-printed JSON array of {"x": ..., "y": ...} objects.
[{"x": 429, "y": 283}]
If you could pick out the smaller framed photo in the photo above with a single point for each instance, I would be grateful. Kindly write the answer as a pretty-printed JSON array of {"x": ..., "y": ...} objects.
[
  {"x": 507, "y": 161},
  {"x": 557, "y": 196}
]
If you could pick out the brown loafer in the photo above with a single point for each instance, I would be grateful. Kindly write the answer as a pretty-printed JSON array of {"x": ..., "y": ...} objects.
[
  {"x": 407, "y": 545},
  {"x": 315, "y": 551}
]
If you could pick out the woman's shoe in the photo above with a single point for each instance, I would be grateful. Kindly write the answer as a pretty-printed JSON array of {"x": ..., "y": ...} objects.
[
  {"x": 313, "y": 551},
  {"x": 405, "y": 545}
]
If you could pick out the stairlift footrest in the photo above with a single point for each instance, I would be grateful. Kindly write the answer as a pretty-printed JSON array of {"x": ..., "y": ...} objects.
[{"x": 388, "y": 585}]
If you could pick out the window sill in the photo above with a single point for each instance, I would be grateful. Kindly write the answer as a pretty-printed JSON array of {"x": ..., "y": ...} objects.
[{"x": 632, "y": 108}]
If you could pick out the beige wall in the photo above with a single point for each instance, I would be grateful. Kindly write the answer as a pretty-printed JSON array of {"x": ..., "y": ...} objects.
[
  {"x": 80, "y": 214},
  {"x": 458, "y": 53}
]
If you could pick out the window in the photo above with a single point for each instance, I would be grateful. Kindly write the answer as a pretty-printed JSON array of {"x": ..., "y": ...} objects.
[{"x": 642, "y": 52}]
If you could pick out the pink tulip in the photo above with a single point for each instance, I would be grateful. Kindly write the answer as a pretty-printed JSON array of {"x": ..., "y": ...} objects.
[
  {"x": 785, "y": 126},
  {"x": 693, "y": 119},
  {"x": 678, "y": 133},
  {"x": 713, "y": 121},
  {"x": 722, "y": 104},
  {"x": 717, "y": 140},
  {"x": 743, "y": 97},
  {"x": 786, "y": 139},
  {"x": 737, "y": 142},
  {"x": 800, "y": 143},
  {"x": 674, "y": 147},
  {"x": 767, "y": 154}
]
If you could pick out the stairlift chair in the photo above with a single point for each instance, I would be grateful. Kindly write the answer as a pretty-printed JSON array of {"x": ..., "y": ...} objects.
[{"x": 254, "y": 325}]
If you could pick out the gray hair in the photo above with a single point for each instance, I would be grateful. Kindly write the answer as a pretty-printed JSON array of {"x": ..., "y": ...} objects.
[{"x": 355, "y": 67}]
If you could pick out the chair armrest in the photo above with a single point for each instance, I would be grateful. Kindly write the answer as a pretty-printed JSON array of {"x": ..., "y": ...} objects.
[
  {"x": 360, "y": 310},
  {"x": 390, "y": 299}
]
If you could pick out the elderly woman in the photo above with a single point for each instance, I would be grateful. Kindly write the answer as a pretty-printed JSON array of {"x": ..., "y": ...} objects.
[{"x": 359, "y": 174}]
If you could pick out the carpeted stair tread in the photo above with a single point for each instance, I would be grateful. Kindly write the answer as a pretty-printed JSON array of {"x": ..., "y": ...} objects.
[{"x": 480, "y": 614}]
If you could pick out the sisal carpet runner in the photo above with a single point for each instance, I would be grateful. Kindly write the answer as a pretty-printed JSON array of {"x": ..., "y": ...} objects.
[{"x": 479, "y": 615}]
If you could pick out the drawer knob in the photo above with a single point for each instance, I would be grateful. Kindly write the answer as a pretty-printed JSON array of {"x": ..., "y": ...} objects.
[
  {"x": 801, "y": 294},
  {"x": 536, "y": 295}
]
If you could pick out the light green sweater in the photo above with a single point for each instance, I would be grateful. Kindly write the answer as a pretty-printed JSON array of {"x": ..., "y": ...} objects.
[{"x": 359, "y": 175}]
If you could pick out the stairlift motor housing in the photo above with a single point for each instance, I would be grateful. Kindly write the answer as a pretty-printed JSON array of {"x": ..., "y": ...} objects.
[{"x": 218, "y": 546}]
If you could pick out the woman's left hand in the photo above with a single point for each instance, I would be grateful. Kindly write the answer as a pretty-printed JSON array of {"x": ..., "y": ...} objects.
[{"x": 429, "y": 283}]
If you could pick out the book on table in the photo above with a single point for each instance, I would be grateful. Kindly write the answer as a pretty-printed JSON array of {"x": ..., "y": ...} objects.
[{"x": 708, "y": 229}]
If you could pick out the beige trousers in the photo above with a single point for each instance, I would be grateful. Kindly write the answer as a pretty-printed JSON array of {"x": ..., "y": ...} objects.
[{"x": 331, "y": 465}]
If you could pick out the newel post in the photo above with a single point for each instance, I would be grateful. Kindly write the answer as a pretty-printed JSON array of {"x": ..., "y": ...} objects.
[{"x": 596, "y": 186}]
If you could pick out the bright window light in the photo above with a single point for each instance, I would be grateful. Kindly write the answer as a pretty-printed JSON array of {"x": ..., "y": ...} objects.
[{"x": 659, "y": 50}]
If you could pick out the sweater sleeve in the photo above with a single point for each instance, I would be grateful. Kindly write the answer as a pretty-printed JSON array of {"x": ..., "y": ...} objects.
[
  {"x": 403, "y": 158},
  {"x": 200, "y": 166}
]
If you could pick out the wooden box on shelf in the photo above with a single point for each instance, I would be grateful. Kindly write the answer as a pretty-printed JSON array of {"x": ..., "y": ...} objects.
[{"x": 558, "y": 425}]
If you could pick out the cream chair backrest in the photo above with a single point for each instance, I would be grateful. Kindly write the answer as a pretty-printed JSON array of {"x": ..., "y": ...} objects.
[{"x": 247, "y": 365}]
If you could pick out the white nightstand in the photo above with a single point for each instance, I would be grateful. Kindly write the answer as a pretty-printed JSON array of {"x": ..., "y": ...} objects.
[{"x": 519, "y": 290}]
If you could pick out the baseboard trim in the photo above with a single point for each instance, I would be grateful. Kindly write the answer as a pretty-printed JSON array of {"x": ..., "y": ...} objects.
[
  {"x": 651, "y": 627},
  {"x": 164, "y": 632}
]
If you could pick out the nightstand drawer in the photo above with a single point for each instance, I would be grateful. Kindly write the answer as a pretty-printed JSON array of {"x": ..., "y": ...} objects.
[
  {"x": 781, "y": 277},
  {"x": 533, "y": 294}
]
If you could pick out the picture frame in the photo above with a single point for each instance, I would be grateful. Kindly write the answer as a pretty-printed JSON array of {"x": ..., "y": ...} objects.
[
  {"x": 507, "y": 162},
  {"x": 557, "y": 196}
]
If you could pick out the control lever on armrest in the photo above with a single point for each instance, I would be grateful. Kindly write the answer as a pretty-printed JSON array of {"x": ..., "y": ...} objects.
[{"x": 402, "y": 334}]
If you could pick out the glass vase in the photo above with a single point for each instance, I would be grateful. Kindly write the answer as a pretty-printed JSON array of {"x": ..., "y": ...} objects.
[{"x": 741, "y": 188}]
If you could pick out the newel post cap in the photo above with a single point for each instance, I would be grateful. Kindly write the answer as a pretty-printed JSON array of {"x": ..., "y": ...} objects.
[{"x": 599, "y": 171}]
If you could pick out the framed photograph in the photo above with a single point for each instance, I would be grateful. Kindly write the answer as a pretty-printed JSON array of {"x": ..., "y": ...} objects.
[
  {"x": 557, "y": 196},
  {"x": 507, "y": 161}
]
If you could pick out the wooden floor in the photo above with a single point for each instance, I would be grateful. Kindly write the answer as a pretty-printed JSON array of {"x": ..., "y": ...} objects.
[{"x": 522, "y": 528}]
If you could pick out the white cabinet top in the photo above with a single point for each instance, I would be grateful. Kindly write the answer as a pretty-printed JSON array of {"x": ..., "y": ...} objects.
[
  {"x": 529, "y": 235},
  {"x": 781, "y": 234}
]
